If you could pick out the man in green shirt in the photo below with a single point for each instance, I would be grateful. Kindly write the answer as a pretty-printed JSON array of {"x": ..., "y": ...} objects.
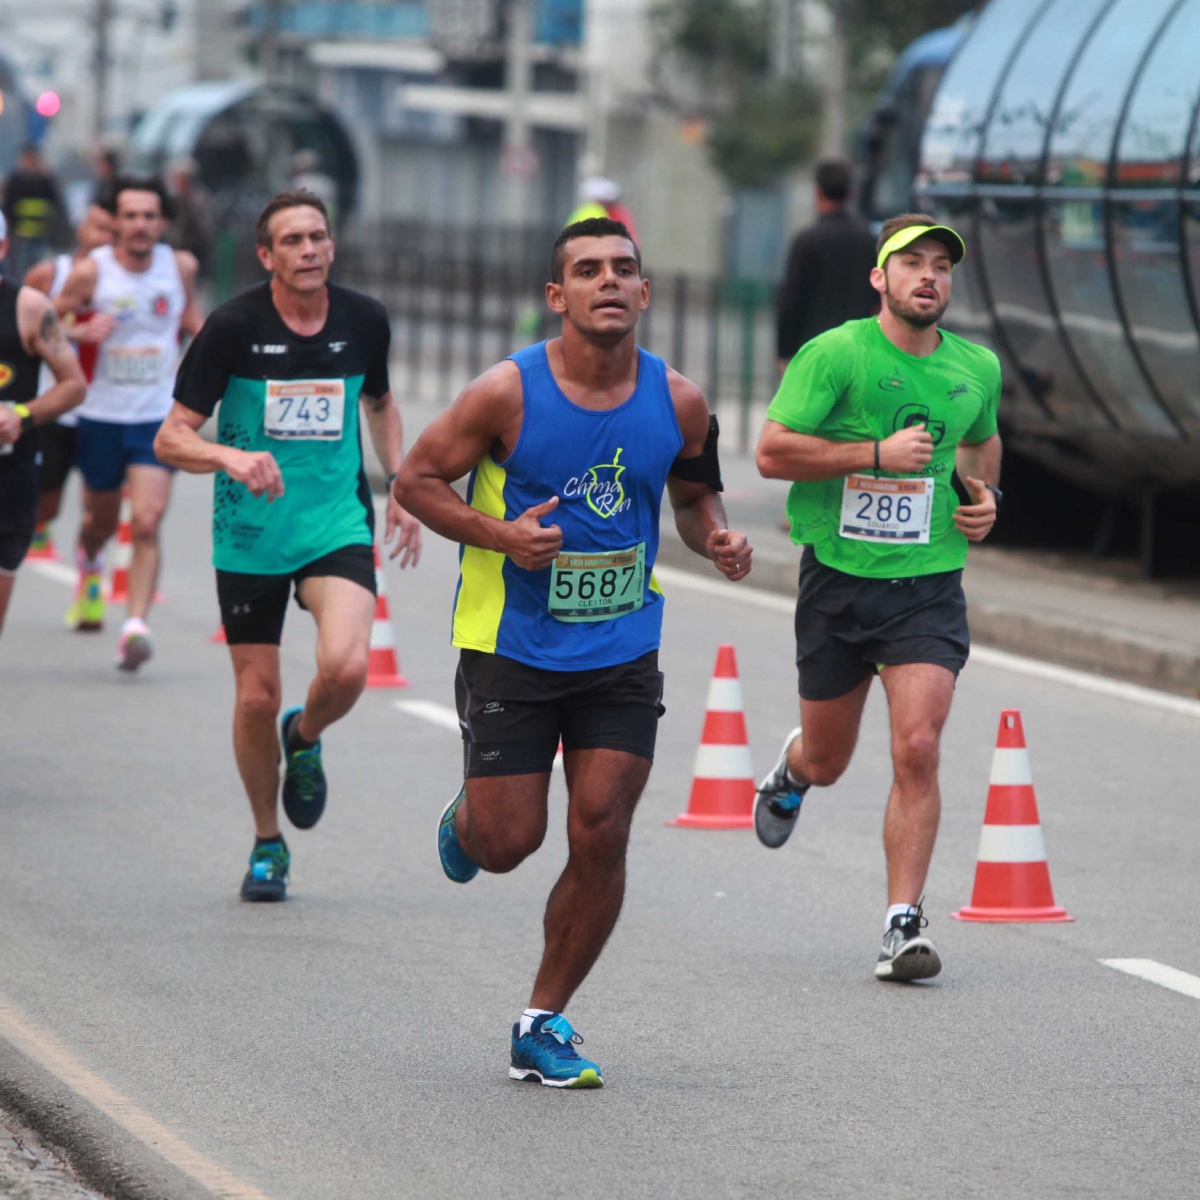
[{"x": 871, "y": 421}]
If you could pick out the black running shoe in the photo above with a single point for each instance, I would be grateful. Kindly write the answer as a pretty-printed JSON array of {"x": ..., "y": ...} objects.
[
  {"x": 304, "y": 786},
  {"x": 777, "y": 802},
  {"x": 267, "y": 878},
  {"x": 905, "y": 954}
]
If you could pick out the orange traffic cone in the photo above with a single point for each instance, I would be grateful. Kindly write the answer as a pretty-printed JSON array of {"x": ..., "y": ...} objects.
[
  {"x": 118, "y": 588},
  {"x": 723, "y": 780},
  {"x": 383, "y": 671},
  {"x": 41, "y": 549},
  {"x": 1012, "y": 878},
  {"x": 218, "y": 638}
]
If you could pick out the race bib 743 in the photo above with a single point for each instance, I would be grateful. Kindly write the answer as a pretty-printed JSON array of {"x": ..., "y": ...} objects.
[{"x": 305, "y": 408}]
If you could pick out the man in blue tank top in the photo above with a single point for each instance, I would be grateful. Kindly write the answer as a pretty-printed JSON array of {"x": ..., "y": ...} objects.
[{"x": 558, "y": 624}]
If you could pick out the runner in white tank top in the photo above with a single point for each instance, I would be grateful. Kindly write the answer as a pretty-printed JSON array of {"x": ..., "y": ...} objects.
[
  {"x": 58, "y": 438},
  {"x": 144, "y": 294}
]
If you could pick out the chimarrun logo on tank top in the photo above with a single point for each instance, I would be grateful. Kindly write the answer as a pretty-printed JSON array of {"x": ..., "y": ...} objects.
[
  {"x": 601, "y": 486},
  {"x": 6, "y": 375}
]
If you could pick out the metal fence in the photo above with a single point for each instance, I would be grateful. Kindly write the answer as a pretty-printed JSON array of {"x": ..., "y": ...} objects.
[{"x": 462, "y": 299}]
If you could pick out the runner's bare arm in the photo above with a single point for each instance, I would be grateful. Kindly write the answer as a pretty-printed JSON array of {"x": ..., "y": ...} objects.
[
  {"x": 801, "y": 457},
  {"x": 699, "y": 511},
  {"x": 40, "y": 276},
  {"x": 79, "y": 289},
  {"x": 192, "y": 319},
  {"x": 386, "y": 427},
  {"x": 43, "y": 336},
  {"x": 486, "y": 418},
  {"x": 977, "y": 465},
  {"x": 179, "y": 444}
]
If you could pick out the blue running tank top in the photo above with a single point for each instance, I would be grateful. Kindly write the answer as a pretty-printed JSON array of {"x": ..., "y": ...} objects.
[{"x": 599, "y": 604}]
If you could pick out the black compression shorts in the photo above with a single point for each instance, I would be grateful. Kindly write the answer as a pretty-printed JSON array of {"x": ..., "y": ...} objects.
[
  {"x": 58, "y": 454},
  {"x": 253, "y": 606},
  {"x": 513, "y": 715},
  {"x": 847, "y": 626},
  {"x": 20, "y": 496}
]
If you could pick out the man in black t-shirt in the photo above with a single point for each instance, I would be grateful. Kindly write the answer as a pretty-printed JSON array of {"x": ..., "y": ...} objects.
[{"x": 290, "y": 362}]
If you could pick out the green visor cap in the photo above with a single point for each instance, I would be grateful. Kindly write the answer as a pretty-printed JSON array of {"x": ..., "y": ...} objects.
[{"x": 904, "y": 237}]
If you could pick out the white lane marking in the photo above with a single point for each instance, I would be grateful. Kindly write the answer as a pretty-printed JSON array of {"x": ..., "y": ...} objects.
[
  {"x": 51, "y": 1054},
  {"x": 431, "y": 711},
  {"x": 1010, "y": 767},
  {"x": 1156, "y": 972},
  {"x": 58, "y": 572},
  {"x": 446, "y": 718},
  {"x": 1012, "y": 844},
  {"x": 1099, "y": 685}
]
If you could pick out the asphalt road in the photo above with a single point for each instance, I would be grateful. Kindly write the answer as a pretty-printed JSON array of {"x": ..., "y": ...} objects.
[{"x": 353, "y": 1042}]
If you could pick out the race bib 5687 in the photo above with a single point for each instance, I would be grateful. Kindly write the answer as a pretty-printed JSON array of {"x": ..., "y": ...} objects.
[{"x": 305, "y": 408}]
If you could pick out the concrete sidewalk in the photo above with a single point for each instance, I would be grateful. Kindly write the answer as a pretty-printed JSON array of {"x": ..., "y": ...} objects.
[{"x": 1094, "y": 615}]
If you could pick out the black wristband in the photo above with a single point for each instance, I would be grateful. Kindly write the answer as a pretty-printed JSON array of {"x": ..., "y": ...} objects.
[{"x": 877, "y": 468}]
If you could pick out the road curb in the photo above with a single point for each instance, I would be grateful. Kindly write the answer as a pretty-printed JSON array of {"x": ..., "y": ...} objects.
[
  {"x": 102, "y": 1155},
  {"x": 1100, "y": 651}
]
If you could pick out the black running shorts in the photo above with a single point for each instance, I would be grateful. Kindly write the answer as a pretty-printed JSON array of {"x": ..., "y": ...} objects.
[
  {"x": 58, "y": 454},
  {"x": 513, "y": 715},
  {"x": 253, "y": 606},
  {"x": 20, "y": 496},
  {"x": 847, "y": 626}
]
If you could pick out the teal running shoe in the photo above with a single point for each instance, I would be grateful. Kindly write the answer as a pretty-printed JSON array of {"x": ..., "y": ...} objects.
[
  {"x": 458, "y": 867},
  {"x": 267, "y": 878},
  {"x": 304, "y": 787},
  {"x": 546, "y": 1055}
]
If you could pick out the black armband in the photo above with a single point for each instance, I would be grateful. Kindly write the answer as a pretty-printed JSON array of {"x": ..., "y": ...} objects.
[{"x": 704, "y": 467}]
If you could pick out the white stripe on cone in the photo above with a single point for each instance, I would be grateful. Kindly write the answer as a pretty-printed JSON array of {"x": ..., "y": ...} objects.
[
  {"x": 383, "y": 637},
  {"x": 1012, "y": 844},
  {"x": 723, "y": 762},
  {"x": 1010, "y": 768},
  {"x": 725, "y": 695}
]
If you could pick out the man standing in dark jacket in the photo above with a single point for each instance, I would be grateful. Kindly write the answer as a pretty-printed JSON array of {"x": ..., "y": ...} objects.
[{"x": 829, "y": 267}]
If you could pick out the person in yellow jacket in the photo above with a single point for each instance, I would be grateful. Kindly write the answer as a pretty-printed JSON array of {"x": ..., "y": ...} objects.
[{"x": 600, "y": 197}]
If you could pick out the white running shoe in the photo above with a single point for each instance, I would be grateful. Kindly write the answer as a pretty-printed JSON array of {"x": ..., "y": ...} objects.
[{"x": 905, "y": 954}]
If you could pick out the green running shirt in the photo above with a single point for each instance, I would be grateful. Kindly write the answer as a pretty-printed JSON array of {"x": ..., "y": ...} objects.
[
  {"x": 297, "y": 397},
  {"x": 851, "y": 384}
]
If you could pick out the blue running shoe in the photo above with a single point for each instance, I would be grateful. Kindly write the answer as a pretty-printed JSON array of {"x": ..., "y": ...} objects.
[
  {"x": 546, "y": 1055},
  {"x": 267, "y": 878},
  {"x": 458, "y": 867},
  {"x": 304, "y": 787}
]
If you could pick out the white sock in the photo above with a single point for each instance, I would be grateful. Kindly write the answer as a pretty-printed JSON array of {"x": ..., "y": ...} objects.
[
  {"x": 798, "y": 788},
  {"x": 897, "y": 910},
  {"x": 89, "y": 565},
  {"x": 527, "y": 1019},
  {"x": 133, "y": 623}
]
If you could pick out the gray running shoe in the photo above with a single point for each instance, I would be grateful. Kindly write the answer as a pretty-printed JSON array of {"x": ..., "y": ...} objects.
[
  {"x": 906, "y": 955},
  {"x": 777, "y": 802}
]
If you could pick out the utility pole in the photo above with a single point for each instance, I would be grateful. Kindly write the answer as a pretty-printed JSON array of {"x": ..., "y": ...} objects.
[
  {"x": 835, "y": 86},
  {"x": 268, "y": 44},
  {"x": 102, "y": 17},
  {"x": 518, "y": 161},
  {"x": 783, "y": 33}
]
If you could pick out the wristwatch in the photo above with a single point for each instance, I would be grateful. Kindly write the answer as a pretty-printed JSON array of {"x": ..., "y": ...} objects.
[
  {"x": 997, "y": 493},
  {"x": 22, "y": 411}
]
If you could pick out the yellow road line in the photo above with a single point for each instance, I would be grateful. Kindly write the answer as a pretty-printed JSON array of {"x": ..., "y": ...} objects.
[{"x": 51, "y": 1054}]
